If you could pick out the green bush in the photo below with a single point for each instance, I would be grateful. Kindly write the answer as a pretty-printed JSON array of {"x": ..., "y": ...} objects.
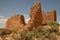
[{"x": 26, "y": 35}]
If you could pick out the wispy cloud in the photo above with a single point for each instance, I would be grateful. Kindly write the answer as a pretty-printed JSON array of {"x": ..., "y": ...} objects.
[
  {"x": 26, "y": 20},
  {"x": 2, "y": 21}
]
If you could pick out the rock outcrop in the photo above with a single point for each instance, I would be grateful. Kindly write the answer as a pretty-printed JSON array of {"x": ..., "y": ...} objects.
[{"x": 16, "y": 22}]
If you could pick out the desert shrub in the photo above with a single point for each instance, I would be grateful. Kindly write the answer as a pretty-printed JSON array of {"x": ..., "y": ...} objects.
[
  {"x": 34, "y": 31},
  {"x": 54, "y": 26},
  {"x": 26, "y": 35},
  {"x": 3, "y": 32},
  {"x": 22, "y": 34},
  {"x": 14, "y": 30},
  {"x": 41, "y": 33}
]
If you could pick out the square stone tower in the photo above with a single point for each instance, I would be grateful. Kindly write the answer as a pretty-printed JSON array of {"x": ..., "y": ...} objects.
[{"x": 51, "y": 16}]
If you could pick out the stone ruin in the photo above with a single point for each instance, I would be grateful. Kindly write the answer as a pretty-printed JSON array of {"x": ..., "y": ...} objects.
[
  {"x": 16, "y": 22},
  {"x": 37, "y": 18},
  {"x": 51, "y": 16}
]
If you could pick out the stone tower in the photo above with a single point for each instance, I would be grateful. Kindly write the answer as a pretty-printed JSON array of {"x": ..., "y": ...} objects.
[
  {"x": 51, "y": 16},
  {"x": 35, "y": 15}
]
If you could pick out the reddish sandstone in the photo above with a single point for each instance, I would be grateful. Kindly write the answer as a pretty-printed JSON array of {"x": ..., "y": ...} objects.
[
  {"x": 35, "y": 15},
  {"x": 51, "y": 16},
  {"x": 44, "y": 19},
  {"x": 16, "y": 22}
]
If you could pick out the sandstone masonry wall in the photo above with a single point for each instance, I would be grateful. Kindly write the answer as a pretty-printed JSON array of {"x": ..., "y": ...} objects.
[
  {"x": 35, "y": 15},
  {"x": 15, "y": 22},
  {"x": 51, "y": 16},
  {"x": 44, "y": 18}
]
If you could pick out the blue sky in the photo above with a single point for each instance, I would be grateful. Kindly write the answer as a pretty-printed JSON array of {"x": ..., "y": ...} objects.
[{"x": 9, "y": 8}]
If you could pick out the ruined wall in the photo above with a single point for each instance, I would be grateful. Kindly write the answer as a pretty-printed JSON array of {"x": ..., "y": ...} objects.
[
  {"x": 15, "y": 22},
  {"x": 35, "y": 15},
  {"x": 51, "y": 16},
  {"x": 44, "y": 19}
]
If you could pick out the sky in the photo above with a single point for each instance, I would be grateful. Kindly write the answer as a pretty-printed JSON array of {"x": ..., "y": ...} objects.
[{"x": 9, "y": 8}]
